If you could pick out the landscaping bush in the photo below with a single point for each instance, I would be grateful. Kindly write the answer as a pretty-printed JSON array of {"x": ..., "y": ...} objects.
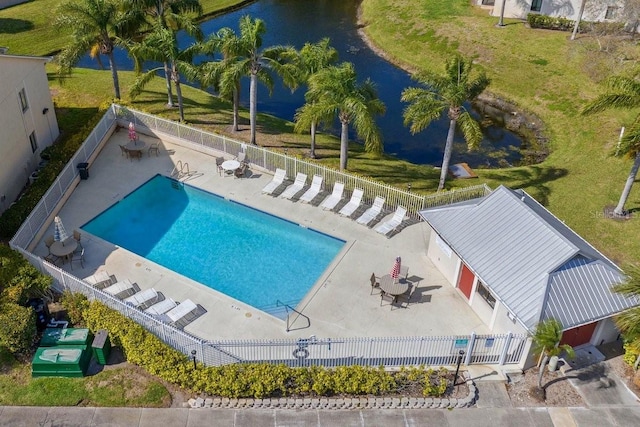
[
  {"x": 553, "y": 23},
  {"x": 17, "y": 327},
  {"x": 75, "y": 305}
]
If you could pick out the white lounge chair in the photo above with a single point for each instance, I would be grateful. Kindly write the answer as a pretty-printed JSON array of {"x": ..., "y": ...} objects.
[
  {"x": 276, "y": 182},
  {"x": 296, "y": 187},
  {"x": 183, "y": 313},
  {"x": 143, "y": 299},
  {"x": 354, "y": 203},
  {"x": 393, "y": 223},
  {"x": 371, "y": 213},
  {"x": 101, "y": 279},
  {"x": 161, "y": 307},
  {"x": 122, "y": 289},
  {"x": 330, "y": 202},
  {"x": 313, "y": 191}
]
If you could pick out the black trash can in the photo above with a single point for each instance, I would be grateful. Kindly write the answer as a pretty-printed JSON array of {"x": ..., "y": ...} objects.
[{"x": 83, "y": 168}]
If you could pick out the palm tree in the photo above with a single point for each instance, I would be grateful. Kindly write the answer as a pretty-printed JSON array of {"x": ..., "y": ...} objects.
[
  {"x": 628, "y": 321},
  {"x": 622, "y": 92},
  {"x": 171, "y": 14},
  {"x": 335, "y": 91},
  {"x": 447, "y": 92},
  {"x": 95, "y": 25},
  {"x": 546, "y": 341},
  {"x": 260, "y": 64},
  {"x": 161, "y": 45},
  {"x": 311, "y": 59}
]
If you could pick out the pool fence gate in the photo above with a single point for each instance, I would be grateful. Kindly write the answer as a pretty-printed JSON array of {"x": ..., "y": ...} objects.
[{"x": 500, "y": 349}]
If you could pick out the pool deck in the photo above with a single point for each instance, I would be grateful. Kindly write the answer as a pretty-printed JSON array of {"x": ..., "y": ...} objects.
[{"x": 339, "y": 305}]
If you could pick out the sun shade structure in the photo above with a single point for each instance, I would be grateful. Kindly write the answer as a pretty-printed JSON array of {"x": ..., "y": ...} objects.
[
  {"x": 395, "y": 271},
  {"x": 59, "y": 233}
]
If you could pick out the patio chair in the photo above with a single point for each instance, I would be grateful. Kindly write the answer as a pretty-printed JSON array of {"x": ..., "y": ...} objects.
[
  {"x": 183, "y": 314},
  {"x": 155, "y": 146},
  {"x": 77, "y": 257},
  {"x": 135, "y": 154},
  {"x": 373, "y": 212},
  {"x": 124, "y": 151},
  {"x": 122, "y": 289},
  {"x": 406, "y": 297},
  {"x": 313, "y": 191},
  {"x": 387, "y": 297},
  {"x": 143, "y": 299},
  {"x": 48, "y": 241},
  {"x": 390, "y": 225},
  {"x": 375, "y": 283},
  {"x": 161, "y": 307},
  {"x": 219, "y": 162},
  {"x": 242, "y": 158},
  {"x": 277, "y": 181},
  {"x": 330, "y": 202},
  {"x": 296, "y": 187},
  {"x": 356, "y": 197},
  {"x": 241, "y": 171},
  {"x": 77, "y": 236}
]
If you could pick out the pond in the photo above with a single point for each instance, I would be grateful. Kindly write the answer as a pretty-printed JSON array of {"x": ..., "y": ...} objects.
[{"x": 295, "y": 22}]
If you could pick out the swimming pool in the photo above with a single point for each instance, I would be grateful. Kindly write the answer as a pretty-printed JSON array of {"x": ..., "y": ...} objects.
[{"x": 242, "y": 252}]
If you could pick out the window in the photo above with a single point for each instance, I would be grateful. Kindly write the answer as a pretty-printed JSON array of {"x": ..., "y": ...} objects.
[
  {"x": 23, "y": 100},
  {"x": 612, "y": 12},
  {"x": 536, "y": 5},
  {"x": 486, "y": 295},
  {"x": 33, "y": 141}
]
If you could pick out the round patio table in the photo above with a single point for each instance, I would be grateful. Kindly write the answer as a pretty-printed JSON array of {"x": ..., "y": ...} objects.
[
  {"x": 64, "y": 249},
  {"x": 392, "y": 286},
  {"x": 230, "y": 165},
  {"x": 136, "y": 145}
]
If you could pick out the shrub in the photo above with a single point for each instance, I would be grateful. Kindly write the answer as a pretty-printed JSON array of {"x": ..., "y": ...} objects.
[
  {"x": 75, "y": 304},
  {"x": 553, "y": 23},
  {"x": 631, "y": 352},
  {"x": 17, "y": 327}
]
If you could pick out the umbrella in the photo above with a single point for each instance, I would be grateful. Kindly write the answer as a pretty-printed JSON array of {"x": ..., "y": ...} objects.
[
  {"x": 132, "y": 132},
  {"x": 59, "y": 234},
  {"x": 395, "y": 271}
]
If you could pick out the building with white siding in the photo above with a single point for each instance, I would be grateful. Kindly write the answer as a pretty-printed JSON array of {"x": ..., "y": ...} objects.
[
  {"x": 594, "y": 11},
  {"x": 516, "y": 264},
  {"x": 27, "y": 121}
]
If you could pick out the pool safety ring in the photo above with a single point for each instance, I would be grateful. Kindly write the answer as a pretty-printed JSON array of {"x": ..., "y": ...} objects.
[{"x": 300, "y": 353}]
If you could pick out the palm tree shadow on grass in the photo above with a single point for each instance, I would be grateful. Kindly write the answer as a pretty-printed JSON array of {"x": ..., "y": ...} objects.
[
  {"x": 15, "y": 26},
  {"x": 534, "y": 178}
]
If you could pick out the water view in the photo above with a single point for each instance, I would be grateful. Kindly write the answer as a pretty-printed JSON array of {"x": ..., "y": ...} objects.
[{"x": 336, "y": 19}]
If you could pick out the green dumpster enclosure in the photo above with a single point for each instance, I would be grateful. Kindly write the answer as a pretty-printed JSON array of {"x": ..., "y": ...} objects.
[
  {"x": 61, "y": 361},
  {"x": 66, "y": 336},
  {"x": 101, "y": 346}
]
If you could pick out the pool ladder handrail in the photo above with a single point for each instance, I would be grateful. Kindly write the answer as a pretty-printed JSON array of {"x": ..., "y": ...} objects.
[
  {"x": 179, "y": 168},
  {"x": 290, "y": 309}
]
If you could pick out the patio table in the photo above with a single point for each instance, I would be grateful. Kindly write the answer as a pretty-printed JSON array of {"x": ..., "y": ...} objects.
[
  {"x": 64, "y": 249},
  {"x": 393, "y": 286}
]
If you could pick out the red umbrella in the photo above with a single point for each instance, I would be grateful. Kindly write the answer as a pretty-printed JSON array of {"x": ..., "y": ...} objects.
[
  {"x": 132, "y": 132},
  {"x": 395, "y": 271}
]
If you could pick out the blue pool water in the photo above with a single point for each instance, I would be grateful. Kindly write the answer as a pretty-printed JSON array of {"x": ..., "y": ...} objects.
[{"x": 245, "y": 253}]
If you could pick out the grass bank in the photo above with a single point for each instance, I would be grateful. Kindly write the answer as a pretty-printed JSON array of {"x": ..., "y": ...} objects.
[{"x": 542, "y": 72}]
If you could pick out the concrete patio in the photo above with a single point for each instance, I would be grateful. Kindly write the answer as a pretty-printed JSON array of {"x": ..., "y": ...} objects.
[{"x": 339, "y": 305}]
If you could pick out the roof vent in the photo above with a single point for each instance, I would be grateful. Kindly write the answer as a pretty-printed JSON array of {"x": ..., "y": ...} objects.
[{"x": 522, "y": 198}]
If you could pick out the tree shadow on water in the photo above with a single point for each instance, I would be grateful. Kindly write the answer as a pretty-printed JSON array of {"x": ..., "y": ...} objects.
[
  {"x": 14, "y": 26},
  {"x": 534, "y": 178}
]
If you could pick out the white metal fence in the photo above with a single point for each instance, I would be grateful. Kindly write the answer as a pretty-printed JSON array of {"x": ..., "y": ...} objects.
[{"x": 388, "y": 351}]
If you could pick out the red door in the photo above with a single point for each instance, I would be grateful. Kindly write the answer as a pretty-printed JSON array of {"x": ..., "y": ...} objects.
[
  {"x": 465, "y": 283},
  {"x": 578, "y": 336}
]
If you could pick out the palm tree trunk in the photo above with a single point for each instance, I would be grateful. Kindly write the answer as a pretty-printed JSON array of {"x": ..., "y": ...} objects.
[
  {"x": 236, "y": 107},
  {"x": 114, "y": 75},
  {"x": 312, "y": 152},
  {"x": 167, "y": 75},
  {"x": 577, "y": 24},
  {"x": 344, "y": 144},
  {"x": 619, "y": 210},
  {"x": 180, "y": 106},
  {"x": 541, "y": 372},
  {"x": 253, "y": 105},
  {"x": 448, "y": 148}
]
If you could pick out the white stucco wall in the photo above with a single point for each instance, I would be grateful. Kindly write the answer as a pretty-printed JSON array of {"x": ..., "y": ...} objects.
[
  {"x": 594, "y": 10},
  {"x": 17, "y": 160},
  {"x": 443, "y": 258},
  {"x": 606, "y": 331}
]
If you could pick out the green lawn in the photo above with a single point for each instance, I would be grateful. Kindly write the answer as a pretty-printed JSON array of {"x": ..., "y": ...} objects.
[{"x": 540, "y": 71}]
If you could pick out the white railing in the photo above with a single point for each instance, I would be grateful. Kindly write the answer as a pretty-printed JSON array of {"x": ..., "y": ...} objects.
[{"x": 388, "y": 351}]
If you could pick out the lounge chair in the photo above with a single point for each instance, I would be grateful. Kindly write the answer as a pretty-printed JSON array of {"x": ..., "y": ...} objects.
[
  {"x": 313, "y": 191},
  {"x": 296, "y": 187},
  {"x": 371, "y": 213},
  {"x": 161, "y": 307},
  {"x": 239, "y": 173},
  {"x": 101, "y": 279},
  {"x": 122, "y": 289},
  {"x": 393, "y": 223},
  {"x": 354, "y": 203},
  {"x": 143, "y": 299},
  {"x": 184, "y": 313},
  {"x": 330, "y": 202},
  {"x": 276, "y": 182}
]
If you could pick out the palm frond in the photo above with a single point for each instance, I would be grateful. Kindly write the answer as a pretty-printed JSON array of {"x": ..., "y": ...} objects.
[{"x": 470, "y": 129}]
